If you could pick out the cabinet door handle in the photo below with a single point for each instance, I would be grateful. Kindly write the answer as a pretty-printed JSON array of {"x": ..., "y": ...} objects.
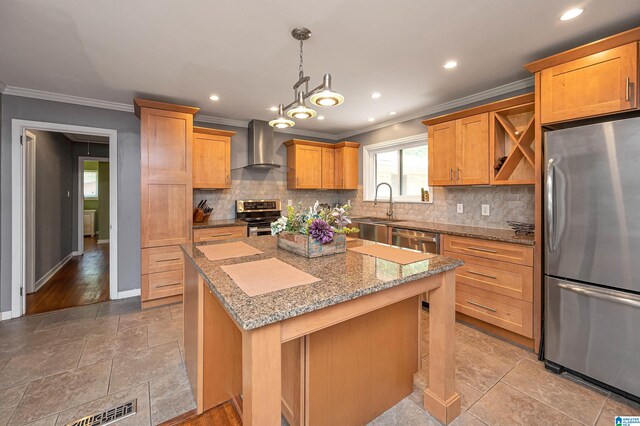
[
  {"x": 168, "y": 260},
  {"x": 493, "y": 277},
  {"x": 457, "y": 175},
  {"x": 482, "y": 249},
  {"x": 471, "y": 302},
  {"x": 222, "y": 235},
  {"x": 626, "y": 89},
  {"x": 168, "y": 284},
  {"x": 450, "y": 174}
]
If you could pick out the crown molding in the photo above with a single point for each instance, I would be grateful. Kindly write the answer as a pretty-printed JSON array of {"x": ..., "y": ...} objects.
[
  {"x": 67, "y": 99},
  {"x": 2, "y": 87},
  {"x": 308, "y": 133},
  {"x": 446, "y": 106},
  {"x": 219, "y": 120}
]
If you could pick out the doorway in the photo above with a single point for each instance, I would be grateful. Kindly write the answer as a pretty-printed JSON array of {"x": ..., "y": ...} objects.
[{"x": 73, "y": 271}]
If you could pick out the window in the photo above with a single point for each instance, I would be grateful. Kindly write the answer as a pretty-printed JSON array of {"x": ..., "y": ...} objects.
[
  {"x": 91, "y": 184},
  {"x": 403, "y": 164}
]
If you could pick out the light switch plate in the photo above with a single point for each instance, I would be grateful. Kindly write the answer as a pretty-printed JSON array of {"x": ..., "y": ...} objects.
[
  {"x": 289, "y": 203},
  {"x": 485, "y": 210},
  {"x": 349, "y": 202},
  {"x": 460, "y": 208}
]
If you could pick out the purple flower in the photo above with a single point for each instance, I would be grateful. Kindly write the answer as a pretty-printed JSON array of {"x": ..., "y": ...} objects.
[{"x": 321, "y": 231}]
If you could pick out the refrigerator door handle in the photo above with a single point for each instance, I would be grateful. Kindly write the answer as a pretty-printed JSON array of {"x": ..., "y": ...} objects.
[
  {"x": 609, "y": 295},
  {"x": 550, "y": 202}
]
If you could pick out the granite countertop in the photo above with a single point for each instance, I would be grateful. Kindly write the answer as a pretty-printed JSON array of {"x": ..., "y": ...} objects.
[
  {"x": 219, "y": 223},
  {"x": 493, "y": 234},
  {"x": 344, "y": 277}
]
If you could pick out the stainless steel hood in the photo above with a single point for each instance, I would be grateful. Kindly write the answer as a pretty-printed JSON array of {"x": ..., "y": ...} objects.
[{"x": 261, "y": 146}]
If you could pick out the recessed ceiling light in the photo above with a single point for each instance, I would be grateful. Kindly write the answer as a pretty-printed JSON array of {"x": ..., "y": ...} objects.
[
  {"x": 450, "y": 65},
  {"x": 375, "y": 95},
  {"x": 371, "y": 119},
  {"x": 214, "y": 97},
  {"x": 273, "y": 109},
  {"x": 321, "y": 117},
  {"x": 571, "y": 13},
  {"x": 392, "y": 113}
]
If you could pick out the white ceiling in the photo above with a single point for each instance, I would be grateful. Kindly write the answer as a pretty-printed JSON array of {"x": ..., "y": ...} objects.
[{"x": 183, "y": 51}]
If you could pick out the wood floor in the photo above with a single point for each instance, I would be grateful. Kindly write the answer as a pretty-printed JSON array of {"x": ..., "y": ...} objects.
[
  {"x": 82, "y": 281},
  {"x": 222, "y": 415}
]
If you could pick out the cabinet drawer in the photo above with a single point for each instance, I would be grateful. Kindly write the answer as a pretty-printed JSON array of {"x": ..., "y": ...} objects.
[
  {"x": 162, "y": 284},
  {"x": 504, "y": 278},
  {"x": 506, "y": 312},
  {"x": 161, "y": 259},
  {"x": 214, "y": 234},
  {"x": 505, "y": 252}
]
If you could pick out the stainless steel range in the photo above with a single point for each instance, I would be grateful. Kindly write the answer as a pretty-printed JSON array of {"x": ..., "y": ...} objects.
[{"x": 258, "y": 214}]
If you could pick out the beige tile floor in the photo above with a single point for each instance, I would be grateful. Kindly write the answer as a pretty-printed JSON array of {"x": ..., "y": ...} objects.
[{"x": 58, "y": 367}]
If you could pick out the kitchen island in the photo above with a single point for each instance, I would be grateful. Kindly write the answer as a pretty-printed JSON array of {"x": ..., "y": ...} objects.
[{"x": 341, "y": 350}]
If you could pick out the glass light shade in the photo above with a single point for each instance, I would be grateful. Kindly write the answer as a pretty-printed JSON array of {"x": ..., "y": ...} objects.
[
  {"x": 327, "y": 97},
  {"x": 281, "y": 122},
  {"x": 301, "y": 110}
]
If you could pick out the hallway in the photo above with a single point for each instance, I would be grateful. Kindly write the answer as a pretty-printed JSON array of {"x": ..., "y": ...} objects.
[{"x": 81, "y": 281}]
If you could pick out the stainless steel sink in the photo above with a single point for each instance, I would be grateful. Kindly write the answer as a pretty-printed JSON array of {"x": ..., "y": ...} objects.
[{"x": 373, "y": 228}]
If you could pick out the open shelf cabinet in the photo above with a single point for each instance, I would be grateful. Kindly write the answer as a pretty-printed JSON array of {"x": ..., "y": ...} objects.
[{"x": 512, "y": 132}]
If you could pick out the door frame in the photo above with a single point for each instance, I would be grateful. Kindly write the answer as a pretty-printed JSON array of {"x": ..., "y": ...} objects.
[
  {"x": 18, "y": 219},
  {"x": 81, "y": 161}
]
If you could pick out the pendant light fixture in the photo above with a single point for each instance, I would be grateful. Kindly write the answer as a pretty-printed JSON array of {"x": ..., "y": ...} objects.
[
  {"x": 322, "y": 95},
  {"x": 281, "y": 122}
]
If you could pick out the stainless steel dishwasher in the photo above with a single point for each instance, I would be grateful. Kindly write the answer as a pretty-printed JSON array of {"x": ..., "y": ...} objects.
[{"x": 426, "y": 242}]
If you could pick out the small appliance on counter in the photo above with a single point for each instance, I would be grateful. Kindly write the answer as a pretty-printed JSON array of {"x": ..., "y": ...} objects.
[{"x": 258, "y": 214}]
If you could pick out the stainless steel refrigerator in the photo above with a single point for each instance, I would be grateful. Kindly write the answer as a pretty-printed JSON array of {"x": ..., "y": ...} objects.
[{"x": 592, "y": 262}]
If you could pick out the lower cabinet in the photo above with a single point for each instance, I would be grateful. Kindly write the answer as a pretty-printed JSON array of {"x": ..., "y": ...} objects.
[
  {"x": 495, "y": 285},
  {"x": 162, "y": 270},
  {"x": 217, "y": 234}
]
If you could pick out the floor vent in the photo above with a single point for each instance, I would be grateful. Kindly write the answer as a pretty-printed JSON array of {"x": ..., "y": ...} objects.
[{"x": 109, "y": 416}]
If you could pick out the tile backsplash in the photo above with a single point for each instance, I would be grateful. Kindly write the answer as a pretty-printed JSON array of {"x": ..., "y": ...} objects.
[{"x": 506, "y": 203}]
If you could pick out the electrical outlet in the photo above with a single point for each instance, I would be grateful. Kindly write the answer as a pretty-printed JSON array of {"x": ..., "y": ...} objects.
[
  {"x": 349, "y": 202},
  {"x": 460, "y": 208},
  {"x": 289, "y": 203},
  {"x": 485, "y": 209}
]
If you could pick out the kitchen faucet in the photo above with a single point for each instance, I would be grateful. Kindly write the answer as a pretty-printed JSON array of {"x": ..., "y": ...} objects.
[{"x": 375, "y": 199}]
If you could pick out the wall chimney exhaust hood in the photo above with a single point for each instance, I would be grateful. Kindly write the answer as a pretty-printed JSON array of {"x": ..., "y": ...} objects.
[{"x": 261, "y": 146}]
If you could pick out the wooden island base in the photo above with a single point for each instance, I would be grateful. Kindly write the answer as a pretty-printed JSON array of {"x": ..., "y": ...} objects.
[{"x": 344, "y": 364}]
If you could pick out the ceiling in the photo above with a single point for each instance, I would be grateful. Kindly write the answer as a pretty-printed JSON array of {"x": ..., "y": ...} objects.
[{"x": 184, "y": 51}]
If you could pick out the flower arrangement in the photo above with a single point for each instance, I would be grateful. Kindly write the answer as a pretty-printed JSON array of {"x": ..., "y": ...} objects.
[{"x": 321, "y": 222}]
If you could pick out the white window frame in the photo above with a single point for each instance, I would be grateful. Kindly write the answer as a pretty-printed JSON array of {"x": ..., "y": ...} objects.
[
  {"x": 97, "y": 196},
  {"x": 368, "y": 167}
]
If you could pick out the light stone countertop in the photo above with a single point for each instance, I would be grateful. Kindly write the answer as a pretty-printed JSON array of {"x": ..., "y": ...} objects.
[{"x": 344, "y": 277}]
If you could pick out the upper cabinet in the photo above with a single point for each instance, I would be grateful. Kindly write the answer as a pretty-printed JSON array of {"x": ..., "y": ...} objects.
[
  {"x": 318, "y": 165},
  {"x": 459, "y": 151},
  {"x": 467, "y": 148},
  {"x": 211, "y": 158},
  {"x": 598, "y": 84}
]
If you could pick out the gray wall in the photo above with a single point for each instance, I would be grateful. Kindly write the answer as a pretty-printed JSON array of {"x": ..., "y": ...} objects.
[
  {"x": 95, "y": 150},
  {"x": 128, "y": 127},
  {"x": 54, "y": 208}
]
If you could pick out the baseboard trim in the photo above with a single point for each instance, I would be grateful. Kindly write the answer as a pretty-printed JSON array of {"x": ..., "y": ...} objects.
[
  {"x": 46, "y": 277},
  {"x": 103, "y": 241},
  {"x": 76, "y": 253},
  {"x": 128, "y": 293},
  {"x": 5, "y": 315}
]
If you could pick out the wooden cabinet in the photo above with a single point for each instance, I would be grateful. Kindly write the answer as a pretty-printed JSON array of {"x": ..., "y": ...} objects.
[
  {"x": 318, "y": 165},
  {"x": 495, "y": 285},
  {"x": 602, "y": 83},
  {"x": 221, "y": 233},
  {"x": 459, "y": 151},
  {"x": 211, "y": 158},
  {"x": 442, "y": 153},
  {"x": 346, "y": 165},
  {"x": 328, "y": 168},
  {"x": 166, "y": 198}
]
